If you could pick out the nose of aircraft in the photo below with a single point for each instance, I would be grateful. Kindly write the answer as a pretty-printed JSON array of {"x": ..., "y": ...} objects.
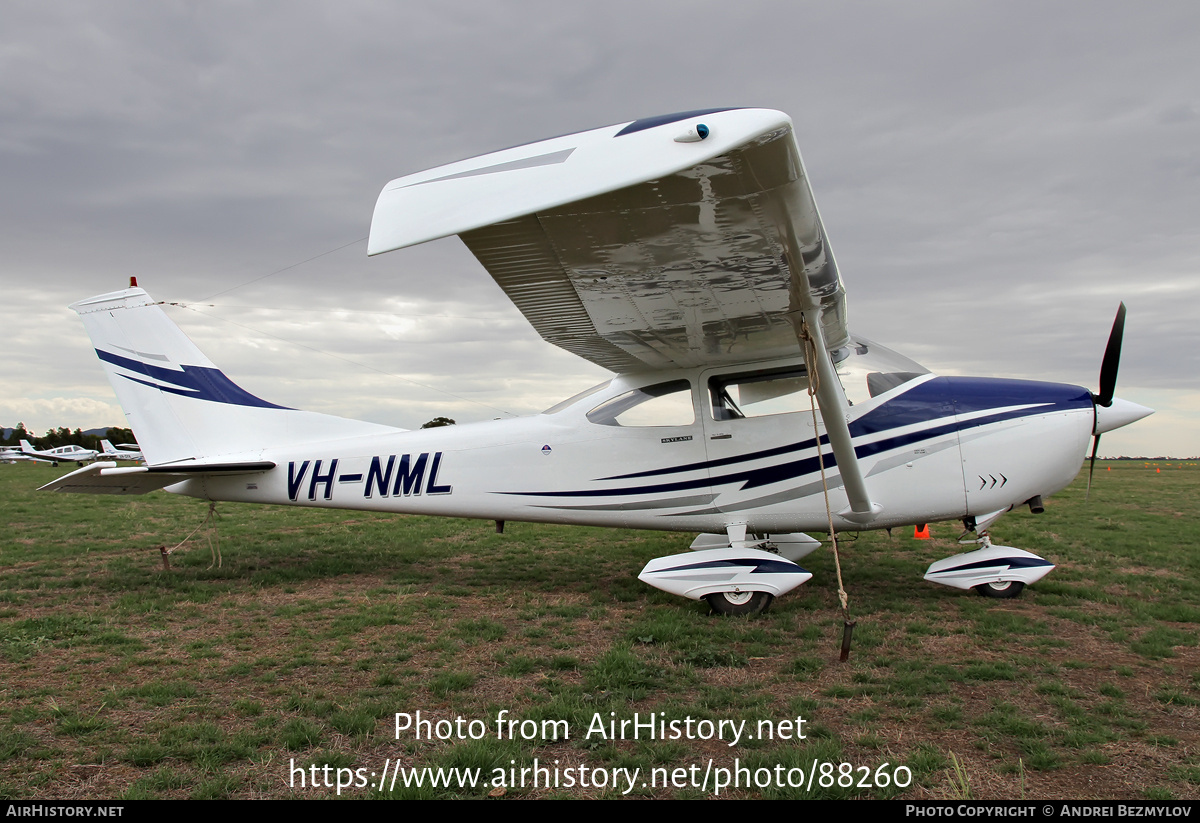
[{"x": 1119, "y": 413}]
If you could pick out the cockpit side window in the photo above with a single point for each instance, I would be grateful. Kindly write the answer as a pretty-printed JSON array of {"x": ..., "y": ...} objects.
[
  {"x": 663, "y": 404},
  {"x": 759, "y": 394}
]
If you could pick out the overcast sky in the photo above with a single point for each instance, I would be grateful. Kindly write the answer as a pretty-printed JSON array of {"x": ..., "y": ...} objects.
[{"x": 994, "y": 177}]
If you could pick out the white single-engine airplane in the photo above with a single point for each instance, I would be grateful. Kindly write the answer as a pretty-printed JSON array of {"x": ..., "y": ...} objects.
[
  {"x": 63, "y": 454},
  {"x": 125, "y": 451},
  {"x": 685, "y": 253}
]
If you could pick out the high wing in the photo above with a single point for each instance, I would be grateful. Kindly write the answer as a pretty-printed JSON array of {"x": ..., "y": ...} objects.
[{"x": 676, "y": 241}]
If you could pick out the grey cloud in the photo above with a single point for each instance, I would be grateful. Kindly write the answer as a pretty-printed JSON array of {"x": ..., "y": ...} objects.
[{"x": 995, "y": 177}]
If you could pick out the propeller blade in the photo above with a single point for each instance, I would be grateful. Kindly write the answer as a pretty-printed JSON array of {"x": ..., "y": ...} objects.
[
  {"x": 1112, "y": 360},
  {"x": 1092, "y": 467}
]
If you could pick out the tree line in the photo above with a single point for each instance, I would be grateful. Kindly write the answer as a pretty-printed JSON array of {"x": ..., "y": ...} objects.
[{"x": 62, "y": 436}]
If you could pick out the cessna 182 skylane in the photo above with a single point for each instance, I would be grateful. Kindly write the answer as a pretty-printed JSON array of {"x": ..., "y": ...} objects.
[{"x": 685, "y": 253}]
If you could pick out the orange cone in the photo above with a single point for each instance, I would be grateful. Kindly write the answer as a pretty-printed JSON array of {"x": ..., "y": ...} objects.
[{"x": 921, "y": 532}]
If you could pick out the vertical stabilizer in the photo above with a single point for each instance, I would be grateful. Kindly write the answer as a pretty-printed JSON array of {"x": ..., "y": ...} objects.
[{"x": 179, "y": 404}]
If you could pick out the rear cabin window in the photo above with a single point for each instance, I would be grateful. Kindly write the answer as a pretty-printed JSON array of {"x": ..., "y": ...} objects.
[
  {"x": 663, "y": 404},
  {"x": 575, "y": 398}
]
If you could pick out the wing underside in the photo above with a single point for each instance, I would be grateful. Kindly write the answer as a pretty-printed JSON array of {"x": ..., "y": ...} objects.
[
  {"x": 108, "y": 478},
  {"x": 639, "y": 248}
]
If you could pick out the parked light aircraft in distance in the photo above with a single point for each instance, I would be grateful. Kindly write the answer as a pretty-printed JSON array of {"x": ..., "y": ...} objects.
[
  {"x": 686, "y": 254},
  {"x": 64, "y": 454},
  {"x": 125, "y": 451},
  {"x": 12, "y": 454}
]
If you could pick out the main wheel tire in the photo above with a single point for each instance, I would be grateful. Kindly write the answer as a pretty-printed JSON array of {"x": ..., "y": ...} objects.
[
  {"x": 1004, "y": 590},
  {"x": 739, "y": 603}
]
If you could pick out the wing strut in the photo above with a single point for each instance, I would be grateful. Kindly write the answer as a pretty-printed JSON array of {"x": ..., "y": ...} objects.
[
  {"x": 828, "y": 395},
  {"x": 832, "y": 403}
]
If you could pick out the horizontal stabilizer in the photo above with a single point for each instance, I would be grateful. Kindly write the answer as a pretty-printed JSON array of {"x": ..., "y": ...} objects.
[{"x": 107, "y": 478}]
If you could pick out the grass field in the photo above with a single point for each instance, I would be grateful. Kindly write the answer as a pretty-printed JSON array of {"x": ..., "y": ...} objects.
[{"x": 122, "y": 680}]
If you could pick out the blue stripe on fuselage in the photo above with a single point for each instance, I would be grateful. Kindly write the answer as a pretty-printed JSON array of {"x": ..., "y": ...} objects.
[{"x": 937, "y": 400}]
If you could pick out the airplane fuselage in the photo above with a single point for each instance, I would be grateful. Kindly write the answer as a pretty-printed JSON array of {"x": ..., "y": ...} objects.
[{"x": 699, "y": 459}]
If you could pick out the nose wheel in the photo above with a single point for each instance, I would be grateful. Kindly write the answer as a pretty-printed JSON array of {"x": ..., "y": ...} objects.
[
  {"x": 739, "y": 603},
  {"x": 1004, "y": 590}
]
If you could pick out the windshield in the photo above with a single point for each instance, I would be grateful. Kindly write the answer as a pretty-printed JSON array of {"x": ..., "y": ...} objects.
[{"x": 868, "y": 369}]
